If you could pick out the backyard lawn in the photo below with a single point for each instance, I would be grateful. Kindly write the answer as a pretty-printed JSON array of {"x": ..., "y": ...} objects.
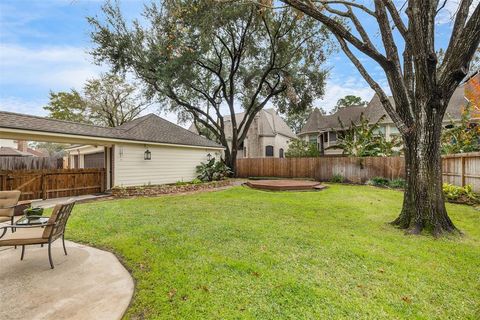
[{"x": 249, "y": 254}]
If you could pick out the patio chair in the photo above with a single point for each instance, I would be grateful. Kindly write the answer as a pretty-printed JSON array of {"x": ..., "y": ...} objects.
[
  {"x": 8, "y": 202},
  {"x": 35, "y": 234}
]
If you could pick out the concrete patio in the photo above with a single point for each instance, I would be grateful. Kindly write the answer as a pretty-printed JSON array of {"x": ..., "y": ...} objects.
[{"x": 87, "y": 284}]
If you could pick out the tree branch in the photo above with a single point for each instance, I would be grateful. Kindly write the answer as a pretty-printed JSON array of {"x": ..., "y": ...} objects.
[{"x": 375, "y": 86}]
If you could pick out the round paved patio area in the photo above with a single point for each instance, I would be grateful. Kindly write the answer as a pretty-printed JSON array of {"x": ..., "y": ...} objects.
[{"x": 87, "y": 284}]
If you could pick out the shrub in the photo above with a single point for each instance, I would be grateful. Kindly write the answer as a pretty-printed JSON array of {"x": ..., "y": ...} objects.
[
  {"x": 298, "y": 148},
  {"x": 378, "y": 182},
  {"x": 397, "y": 183},
  {"x": 196, "y": 181},
  {"x": 384, "y": 183},
  {"x": 213, "y": 171},
  {"x": 337, "y": 178},
  {"x": 460, "y": 194}
]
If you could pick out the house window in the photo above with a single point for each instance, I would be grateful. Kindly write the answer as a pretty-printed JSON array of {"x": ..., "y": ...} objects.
[
  {"x": 312, "y": 139},
  {"x": 269, "y": 151},
  {"x": 333, "y": 136},
  {"x": 325, "y": 137},
  {"x": 394, "y": 130},
  {"x": 280, "y": 153},
  {"x": 379, "y": 131},
  {"x": 244, "y": 152}
]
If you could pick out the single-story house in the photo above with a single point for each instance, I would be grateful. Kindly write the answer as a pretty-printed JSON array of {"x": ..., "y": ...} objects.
[
  {"x": 147, "y": 150},
  {"x": 18, "y": 148}
]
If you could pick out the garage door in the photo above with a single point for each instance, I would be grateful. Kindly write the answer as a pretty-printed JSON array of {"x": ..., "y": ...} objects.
[{"x": 94, "y": 160}]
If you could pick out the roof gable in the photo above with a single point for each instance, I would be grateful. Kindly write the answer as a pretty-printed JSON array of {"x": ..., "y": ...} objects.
[{"x": 269, "y": 123}]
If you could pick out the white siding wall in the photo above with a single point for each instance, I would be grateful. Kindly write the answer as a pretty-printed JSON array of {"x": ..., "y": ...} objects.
[
  {"x": 168, "y": 164},
  {"x": 8, "y": 143}
]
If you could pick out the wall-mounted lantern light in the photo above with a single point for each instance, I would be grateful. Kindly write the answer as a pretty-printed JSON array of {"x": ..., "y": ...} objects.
[
  {"x": 209, "y": 157},
  {"x": 147, "y": 155}
]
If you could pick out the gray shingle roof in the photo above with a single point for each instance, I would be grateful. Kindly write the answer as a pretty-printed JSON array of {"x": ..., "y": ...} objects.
[
  {"x": 149, "y": 128},
  {"x": 374, "y": 111},
  {"x": 11, "y": 152},
  {"x": 269, "y": 124},
  {"x": 454, "y": 109},
  {"x": 319, "y": 122}
]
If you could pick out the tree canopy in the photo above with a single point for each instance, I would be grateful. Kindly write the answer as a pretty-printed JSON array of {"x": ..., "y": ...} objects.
[
  {"x": 107, "y": 101},
  {"x": 207, "y": 60},
  {"x": 348, "y": 101},
  {"x": 68, "y": 106},
  {"x": 296, "y": 119}
]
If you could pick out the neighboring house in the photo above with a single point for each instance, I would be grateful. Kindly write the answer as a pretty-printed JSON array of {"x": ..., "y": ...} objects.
[
  {"x": 323, "y": 129},
  {"x": 147, "y": 150},
  {"x": 7, "y": 143},
  {"x": 268, "y": 135},
  {"x": 17, "y": 148},
  {"x": 13, "y": 152}
]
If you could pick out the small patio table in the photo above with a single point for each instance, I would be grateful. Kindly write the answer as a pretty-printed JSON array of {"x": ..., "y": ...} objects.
[{"x": 32, "y": 220}]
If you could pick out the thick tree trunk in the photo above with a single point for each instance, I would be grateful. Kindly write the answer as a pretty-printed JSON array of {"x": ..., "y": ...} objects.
[
  {"x": 424, "y": 204},
  {"x": 230, "y": 160}
]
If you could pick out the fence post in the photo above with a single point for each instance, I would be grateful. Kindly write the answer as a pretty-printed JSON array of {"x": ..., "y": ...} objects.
[
  {"x": 102, "y": 180},
  {"x": 462, "y": 172},
  {"x": 44, "y": 187},
  {"x": 4, "y": 182}
]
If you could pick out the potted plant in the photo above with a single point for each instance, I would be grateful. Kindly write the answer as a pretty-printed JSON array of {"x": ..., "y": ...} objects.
[{"x": 33, "y": 212}]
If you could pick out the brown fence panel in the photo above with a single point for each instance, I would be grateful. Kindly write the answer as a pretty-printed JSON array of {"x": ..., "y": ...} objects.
[
  {"x": 30, "y": 163},
  {"x": 55, "y": 183},
  {"x": 322, "y": 168},
  {"x": 458, "y": 169},
  {"x": 462, "y": 169}
]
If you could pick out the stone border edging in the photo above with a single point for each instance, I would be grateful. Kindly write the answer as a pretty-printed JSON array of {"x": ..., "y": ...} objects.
[{"x": 155, "y": 190}]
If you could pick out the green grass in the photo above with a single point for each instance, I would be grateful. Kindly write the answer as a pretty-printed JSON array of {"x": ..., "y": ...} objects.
[{"x": 249, "y": 254}]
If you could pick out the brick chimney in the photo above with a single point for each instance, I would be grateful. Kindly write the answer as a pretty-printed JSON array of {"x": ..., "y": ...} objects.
[{"x": 22, "y": 145}]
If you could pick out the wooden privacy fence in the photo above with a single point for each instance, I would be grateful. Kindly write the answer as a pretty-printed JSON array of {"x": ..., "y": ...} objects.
[
  {"x": 30, "y": 163},
  {"x": 356, "y": 170},
  {"x": 46, "y": 184},
  {"x": 460, "y": 169}
]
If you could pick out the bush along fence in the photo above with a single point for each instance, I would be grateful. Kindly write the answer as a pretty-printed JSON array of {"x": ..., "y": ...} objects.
[
  {"x": 459, "y": 169},
  {"x": 54, "y": 183},
  {"x": 155, "y": 190}
]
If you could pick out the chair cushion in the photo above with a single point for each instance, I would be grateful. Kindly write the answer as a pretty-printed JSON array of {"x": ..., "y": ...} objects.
[
  {"x": 7, "y": 200},
  {"x": 5, "y": 219},
  {"x": 23, "y": 236}
]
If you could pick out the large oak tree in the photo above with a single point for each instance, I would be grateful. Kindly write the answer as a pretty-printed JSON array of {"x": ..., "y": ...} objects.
[
  {"x": 107, "y": 101},
  {"x": 421, "y": 85},
  {"x": 208, "y": 60}
]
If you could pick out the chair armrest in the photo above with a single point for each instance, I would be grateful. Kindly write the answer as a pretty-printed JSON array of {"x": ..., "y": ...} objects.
[
  {"x": 9, "y": 207},
  {"x": 3, "y": 230},
  {"x": 13, "y": 226}
]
